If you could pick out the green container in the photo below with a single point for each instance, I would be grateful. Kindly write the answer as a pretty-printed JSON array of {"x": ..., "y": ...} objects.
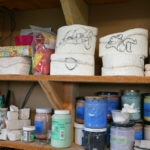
[
  {"x": 132, "y": 97},
  {"x": 61, "y": 129}
]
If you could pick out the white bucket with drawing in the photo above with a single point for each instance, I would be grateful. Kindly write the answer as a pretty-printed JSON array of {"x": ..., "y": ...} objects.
[
  {"x": 72, "y": 64},
  {"x": 76, "y": 39},
  {"x": 133, "y": 41}
]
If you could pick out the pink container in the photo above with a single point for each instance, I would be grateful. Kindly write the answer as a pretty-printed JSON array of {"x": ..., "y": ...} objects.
[{"x": 23, "y": 40}]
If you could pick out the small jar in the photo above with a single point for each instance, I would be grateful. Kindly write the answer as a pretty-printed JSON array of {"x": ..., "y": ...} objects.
[
  {"x": 80, "y": 102},
  {"x": 138, "y": 128},
  {"x": 61, "y": 129},
  {"x": 28, "y": 133},
  {"x": 42, "y": 122},
  {"x": 112, "y": 101},
  {"x": 132, "y": 97},
  {"x": 147, "y": 107}
]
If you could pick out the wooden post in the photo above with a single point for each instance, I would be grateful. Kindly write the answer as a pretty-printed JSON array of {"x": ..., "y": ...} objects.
[{"x": 75, "y": 11}]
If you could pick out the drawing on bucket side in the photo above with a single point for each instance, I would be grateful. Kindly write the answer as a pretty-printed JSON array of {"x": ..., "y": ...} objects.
[
  {"x": 121, "y": 44},
  {"x": 70, "y": 63},
  {"x": 78, "y": 36}
]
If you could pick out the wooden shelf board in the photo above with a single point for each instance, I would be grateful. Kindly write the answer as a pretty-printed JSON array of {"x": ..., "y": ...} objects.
[
  {"x": 41, "y": 4},
  {"x": 77, "y": 79},
  {"x": 34, "y": 145}
]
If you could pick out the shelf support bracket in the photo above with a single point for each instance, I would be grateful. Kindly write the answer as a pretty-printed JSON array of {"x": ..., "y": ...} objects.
[
  {"x": 54, "y": 92},
  {"x": 75, "y": 11}
]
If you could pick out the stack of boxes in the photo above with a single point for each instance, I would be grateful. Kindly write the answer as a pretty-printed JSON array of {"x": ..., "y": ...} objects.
[
  {"x": 75, "y": 49},
  {"x": 123, "y": 53},
  {"x": 17, "y": 119}
]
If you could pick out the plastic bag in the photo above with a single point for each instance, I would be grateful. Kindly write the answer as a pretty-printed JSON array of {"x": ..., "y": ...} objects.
[{"x": 44, "y": 45}]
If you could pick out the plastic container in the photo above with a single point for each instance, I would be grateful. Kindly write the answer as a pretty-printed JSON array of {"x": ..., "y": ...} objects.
[
  {"x": 23, "y": 40},
  {"x": 122, "y": 137},
  {"x": 80, "y": 105},
  {"x": 147, "y": 132},
  {"x": 147, "y": 107},
  {"x": 132, "y": 97},
  {"x": 95, "y": 112},
  {"x": 3, "y": 117},
  {"x": 28, "y": 133},
  {"x": 120, "y": 117},
  {"x": 95, "y": 139},
  {"x": 79, "y": 131},
  {"x": 138, "y": 128},
  {"x": 61, "y": 129},
  {"x": 112, "y": 101},
  {"x": 42, "y": 122}
]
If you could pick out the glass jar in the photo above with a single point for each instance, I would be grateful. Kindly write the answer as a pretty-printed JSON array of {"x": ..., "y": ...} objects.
[
  {"x": 132, "y": 97},
  {"x": 138, "y": 128},
  {"x": 95, "y": 115},
  {"x": 147, "y": 107},
  {"x": 42, "y": 122},
  {"x": 80, "y": 102},
  {"x": 112, "y": 101}
]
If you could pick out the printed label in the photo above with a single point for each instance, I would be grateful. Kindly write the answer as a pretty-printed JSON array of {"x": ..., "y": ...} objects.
[
  {"x": 147, "y": 109},
  {"x": 58, "y": 130},
  {"x": 38, "y": 127},
  {"x": 138, "y": 135},
  {"x": 28, "y": 136},
  {"x": 80, "y": 112},
  {"x": 112, "y": 105},
  {"x": 119, "y": 140}
]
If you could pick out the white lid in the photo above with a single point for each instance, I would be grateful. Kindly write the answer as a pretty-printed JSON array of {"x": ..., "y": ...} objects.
[
  {"x": 77, "y": 125},
  {"x": 29, "y": 128},
  {"x": 62, "y": 112},
  {"x": 95, "y": 130},
  {"x": 43, "y": 110}
]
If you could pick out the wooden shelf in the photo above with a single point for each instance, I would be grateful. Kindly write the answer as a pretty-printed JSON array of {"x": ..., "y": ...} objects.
[
  {"x": 41, "y": 4},
  {"x": 77, "y": 79},
  {"x": 34, "y": 145}
]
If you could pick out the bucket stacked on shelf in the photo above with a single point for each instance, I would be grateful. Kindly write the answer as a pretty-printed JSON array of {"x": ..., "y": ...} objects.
[
  {"x": 123, "y": 53},
  {"x": 75, "y": 49},
  {"x": 95, "y": 122}
]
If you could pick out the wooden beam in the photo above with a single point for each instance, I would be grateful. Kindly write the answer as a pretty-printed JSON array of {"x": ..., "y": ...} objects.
[
  {"x": 54, "y": 92},
  {"x": 75, "y": 11}
]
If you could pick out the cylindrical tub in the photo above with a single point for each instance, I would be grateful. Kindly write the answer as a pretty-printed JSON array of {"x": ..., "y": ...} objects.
[
  {"x": 133, "y": 41},
  {"x": 122, "y": 137},
  {"x": 72, "y": 64},
  {"x": 78, "y": 39},
  {"x": 95, "y": 139},
  {"x": 112, "y": 101},
  {"x": 79, "y": 131},
  {"x": 95, "y": 115}
]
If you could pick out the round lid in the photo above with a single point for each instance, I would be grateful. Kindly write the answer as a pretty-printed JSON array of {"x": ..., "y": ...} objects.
[
  {"x": 95, "y": 130},
  {"x": 80, "y": 98},
  {"x": 43, "y": 110},
  {"x": 77, "y": 125},
  {"x": 62, "y": 112},
  {"x": 95, "y": 97},
  {"x": 107, "y": 93},
  {"x": 130, "y": 124},
  {"x": 29, "y": 128},
  {"x": 131, "y": 91}
]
